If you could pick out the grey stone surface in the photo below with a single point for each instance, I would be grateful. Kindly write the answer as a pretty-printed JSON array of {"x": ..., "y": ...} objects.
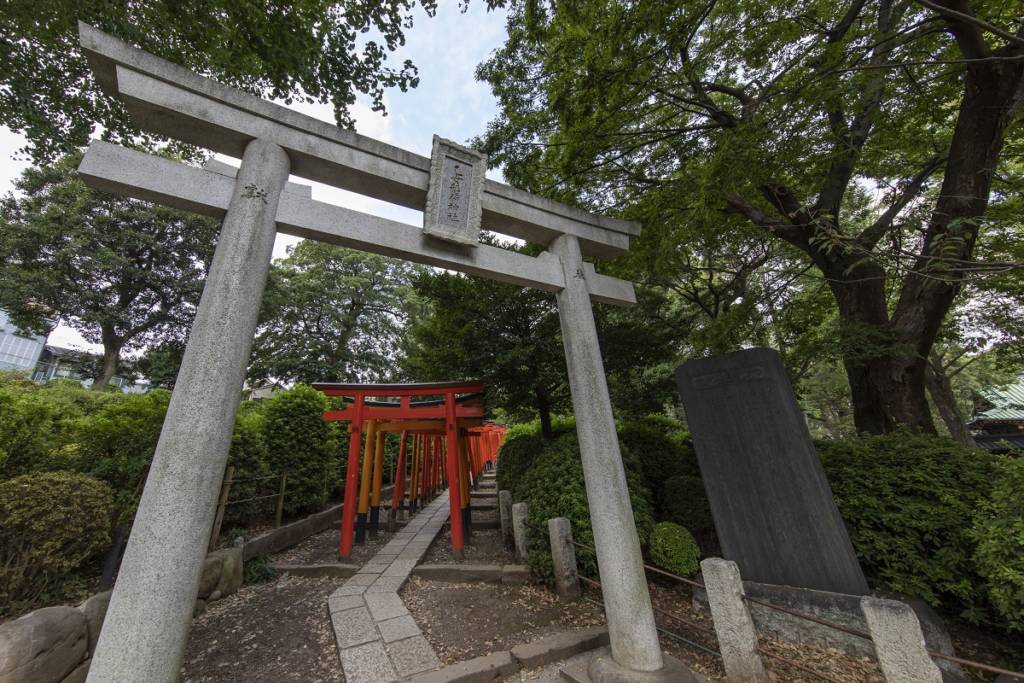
[
  {"x": 520, "y": 517},
  {"x": 353, "y": 627},
  {"x": 340, "y": 603},
  {"x": 398, "y": 628},
  {"x": 899, "y": 643},
  {"x": 385, "y": 606},
  {"x": 95, "y": 611},
  {"x": 363, "y": 579},
  {"x": 492, "y": 667},
  {"x": 505, "y": 518},
  {"x": 515, "y": 574},
  {"x": 349, "y": 589},
  {"x": 386, "y": 584},
  {"x": 400, "y": 567},
  {"x": 168, "y": 182},
  {"x": 838, "y": 608},
  {"x": 772, "y": 505},
  {"x": 368, "y": 663},
  {"x": 559, "y": 646},
  {"x": 599, "y": 667},
  {"x": 633, "y": 634},
  {"x": 412, "y": 656},
  {"x": 458, "y": 573},
  {"x": 563, "y": 558},
  {"x": 80, "y": 673},
  {"x": 150, "y": 611},
  {"x": 43, "y": 646},
  {"x": 737, "y": 636},
  {"x": 201, "y": 111},
  {"x": 230, "y": 577},
  {"x": 455, "y": 187},
  {"x": 289, "y": 534}
]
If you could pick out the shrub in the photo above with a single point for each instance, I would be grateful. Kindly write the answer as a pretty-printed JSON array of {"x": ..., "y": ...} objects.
[
  {"x": 515, "y": 458},
  {"x": 248, "y": 455},
  {"x": 674, "y": 550},
  {"x": 298, "y": 442},
  {"x": 649, "y": 444},
  {"x": 907, "y": 500},
  {"x": 685, "y": 503},
  {"x": 50, "y": 524},
  {"x": 554, "y": 487},
  {"x": 116, "y": 444},
  {"x": 999, "y": 533}
]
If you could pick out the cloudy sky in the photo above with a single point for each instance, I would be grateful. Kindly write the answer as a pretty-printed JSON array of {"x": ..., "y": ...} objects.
[{"x": 448, "y": 102}]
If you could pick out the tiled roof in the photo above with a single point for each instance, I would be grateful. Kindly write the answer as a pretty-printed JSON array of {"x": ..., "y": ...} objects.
[{"x": 1007, "y": 403}]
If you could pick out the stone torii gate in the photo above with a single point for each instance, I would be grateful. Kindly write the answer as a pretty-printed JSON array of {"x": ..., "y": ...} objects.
[{"x": 147, "y": 625}]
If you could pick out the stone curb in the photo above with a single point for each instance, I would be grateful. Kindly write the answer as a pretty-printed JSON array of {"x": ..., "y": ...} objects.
[
  {"x": 460, "y": 573},
  {"x": 531, "y": 655},
  {"x": 341, "y": 571}
]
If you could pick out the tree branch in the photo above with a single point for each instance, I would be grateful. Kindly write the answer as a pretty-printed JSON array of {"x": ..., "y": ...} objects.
[
  {"x": 966, "y": 28},
  {"x": 869, "y": 237}
]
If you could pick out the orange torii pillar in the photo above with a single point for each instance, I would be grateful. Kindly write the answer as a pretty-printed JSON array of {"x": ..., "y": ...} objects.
[
  {"x": 378, "y": 481},
  {"x": 399, "y": 483},
  {"x": 454, "y": 492},
  {"x": 355, "y": 430},
  {"x": 416, "y": 476},
  {"x": 369, "y": 453}
]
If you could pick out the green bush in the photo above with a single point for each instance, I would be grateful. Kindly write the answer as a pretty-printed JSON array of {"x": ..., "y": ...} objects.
[
  {"x": 907, "y": 500},
  {"x": 554, "y": 487},
  {"x": 674, "y": 549},
  {"x": 248, "y": 455},
  {"x": 999, "y": 533},
  {"x": 50, "y": 524},
  {"x": 116, "y": 444},
  {"x": 650, "y": 444},
  {"x": 515, "y": 458},
  {"x": 299, "y": 443},
  {"x": 685, "y": 503}
]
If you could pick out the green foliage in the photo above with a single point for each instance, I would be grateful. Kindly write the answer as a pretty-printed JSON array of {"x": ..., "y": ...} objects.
[
  {"x": 674, "y": 549},
  {"x": 332, "y": 314},
  {"x": 685, "y": 502},
  {"x": 248, "y": 455},
  {"x": 160, "y": 364},
  {"x": 116, "y": 444},
  {"x": 553, "y": 486},
  {"x": 515, "y": 458},
  {"x": 307, "y": 50},
  {"x": 50, "y": 524},
  {"x": 122, "y": 272},
  {"x": 298, "y": 442},
  {"x": 661, "y": 457},
  {"x": 999, "y": 534},
  {"x": 907, "y": 500},
  {"x": 258, "y": 570}
]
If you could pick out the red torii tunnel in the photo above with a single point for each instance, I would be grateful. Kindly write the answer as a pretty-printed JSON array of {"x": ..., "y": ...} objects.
[{"x": 451, "y": 445}]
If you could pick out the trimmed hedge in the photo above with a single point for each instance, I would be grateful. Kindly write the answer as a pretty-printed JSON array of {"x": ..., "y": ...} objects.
[
  {"x": 674, "y": 549},
  {"x": 907, "y": 500},
  {"x": 999, "y": 534},
  {"x": 51, "y": 523},
  {"x": 554, "y": 487}
]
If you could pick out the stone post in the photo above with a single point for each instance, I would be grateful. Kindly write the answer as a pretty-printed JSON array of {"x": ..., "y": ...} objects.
[
  {"x": 737, "y": 637},
  {"x": 631, "y": 627},
  {"x": 505, "y": 515},
  {"x": 520, "y": 515},
  {"x": 147, "y": 625},
  {"x": 563, "y": 558},
  {"x": 899, "y": 643}
]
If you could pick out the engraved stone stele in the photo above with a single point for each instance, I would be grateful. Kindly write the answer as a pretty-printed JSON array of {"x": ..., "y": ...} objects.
[
  {"x": 453, "y": 196},
  {"x": 772, "y": 505}
]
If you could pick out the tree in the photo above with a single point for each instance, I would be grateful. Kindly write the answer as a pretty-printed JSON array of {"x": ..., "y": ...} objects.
[
  {"x": 121, "y": 272},
  {"x": 160, "y": 364},
  {"x": 331, "y": 314},
  {"x": 310, "y": 50},
  {"x": 510, "y": 337},
  {"x": 780, "y": 118}
]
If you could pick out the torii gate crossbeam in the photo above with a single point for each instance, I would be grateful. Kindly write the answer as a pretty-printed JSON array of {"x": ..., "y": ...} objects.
[{"x": 147, "y": 624}]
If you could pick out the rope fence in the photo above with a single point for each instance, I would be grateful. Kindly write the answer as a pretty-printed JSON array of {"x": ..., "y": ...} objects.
[
  {"x": 223, "y": 500},
  {"x": 800, "y": 615}
]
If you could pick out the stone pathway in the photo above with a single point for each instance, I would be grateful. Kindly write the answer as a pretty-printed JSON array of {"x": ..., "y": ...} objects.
[{"x": 378, "y": 640}]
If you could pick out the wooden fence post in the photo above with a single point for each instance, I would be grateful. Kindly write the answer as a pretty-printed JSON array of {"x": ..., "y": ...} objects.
[
  {"x": 280, "y": 501},
  {"x": 222, "y": 501}
]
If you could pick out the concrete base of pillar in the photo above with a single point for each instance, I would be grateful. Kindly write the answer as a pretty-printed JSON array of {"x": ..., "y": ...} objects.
[{"x": 601, "y": 668}]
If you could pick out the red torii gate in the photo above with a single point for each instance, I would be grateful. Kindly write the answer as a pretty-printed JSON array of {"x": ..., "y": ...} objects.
[{"x": 449, "y": 429}]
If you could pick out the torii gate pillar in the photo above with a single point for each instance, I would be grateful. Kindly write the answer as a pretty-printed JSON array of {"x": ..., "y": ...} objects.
[{"x": 146, "y": 626}]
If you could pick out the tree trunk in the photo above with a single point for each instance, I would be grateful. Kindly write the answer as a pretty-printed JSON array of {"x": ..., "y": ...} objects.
[
  {"x": 544, "y": 410},
  {"x": 942, "y": 395},
  {"x": 111, "y": 354},
  {"x": 887, "y": 379}
]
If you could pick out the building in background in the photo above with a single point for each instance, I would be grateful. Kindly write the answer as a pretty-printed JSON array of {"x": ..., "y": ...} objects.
[
  {"x": 18, "y": 352},
  {"x": 57, "y": 361},
  {"x": 998, "y": 422}
]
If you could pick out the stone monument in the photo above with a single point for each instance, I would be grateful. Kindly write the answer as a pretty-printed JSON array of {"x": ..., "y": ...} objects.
[{"x": 772, "y": 505}]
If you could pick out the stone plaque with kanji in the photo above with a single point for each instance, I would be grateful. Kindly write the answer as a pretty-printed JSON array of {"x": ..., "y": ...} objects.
[{"x": 453, "y": 196}]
